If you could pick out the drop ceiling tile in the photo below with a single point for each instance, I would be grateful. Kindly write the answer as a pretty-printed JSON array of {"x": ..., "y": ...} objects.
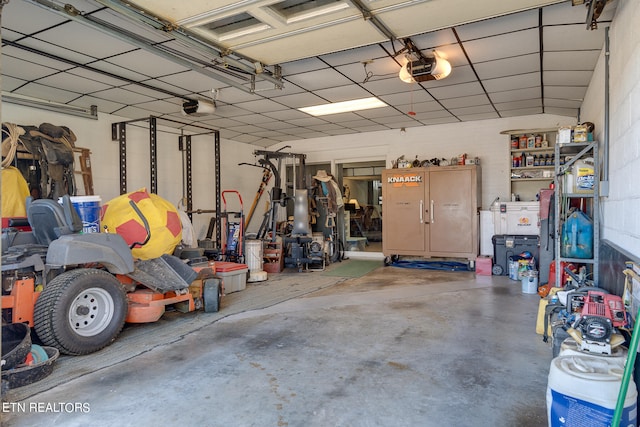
[
  {"x": 286, "y": 115},
  {"x": 381, "y": 68},
  {"x": 567, "y": 92},
  {"x": 467, "y": 101},
  {"x": 160, "y": 107},
  {"x": 372, "y": 128},
  {"x": 521, "y": 112},
  {"x": 439, "y": 121},
  {"x": 319, "y": 79},
  {"x": 392, "y": 120},
  {"x": 563, "y": 103},
  {"x": 27, "y": 18},
  {"x": 147, "y": 63},
  {"x": 246, "y": 138},
  {"x": 73, "y": 83},
  {"x": 420, "y": 107},
  {"x": 512, "y": 82},
  {"x": 387, "y": 86},
  {"x": 452, "y": 53},
  {"x": 299, "y": 100},
  {"x": 245, "y": 128},
  {"x": 479, "y": 116},
  {"x": 47, "y": 93},
  {"x": 571, "y": 60},
  {"x": 572, "y": 37},
  {"x": 119, "y": 71},
  {"x": 503, "y": 46},
  {"x": 343, "y": 117},
  {"x": 9, "y": 35},
  {"x": 500, "y": 25},
  {"x": 192, "y": 82},
  {"x": 478, "y": 109},
  {"x": 122, "y": 95},
  {"x": 455, "y": 91},
  {"x": 104, "y": 105},
  {"x": 231, "y": 111},
  {"x": 308, "y": 121},
  {"x": 569, "y": 112},
  {"x": 416, "y": 95},
  {"x": 430, "y": 115},
  {"x": 342, "y": 131},
  {"x": 275, "y": 125},
  {"x": 133, "y": 112},
  {"x": 222, "y": 123},
  {"x": 260, "y": 106},
  {"x": 163, "y": 90},
  {"x": 228, "y": 134},
  {"x": 257, "y": 119},
  {"x": 357, "y": 123},
  {"x": 434, "y": 39},
  {"x": 376, "y": 112},
  {"x": 57, "y": 51},
  {"x": 517, "y": 105},
  {"x": 342, "y": 93},
  {"x": 401, "y": 123},
  {"x": 309, "y": 135},
  {"x": 515, "y": 95},
  {"x": 19, "y": 68},
  {"x": 96, "y": 76},
  {"x": 348, "y": 56},
  {"x": 302, "y": 66},
  {"x": 508, "y": 66},
  {"x": 326, "y": 126},
  {"x": 34, "y": 58},
  {"x": 269, "y": 134},
  {"x": 92, "y": 43},
  {"x": 567, "y": 78},
  {"x": 10, "y": 83}
]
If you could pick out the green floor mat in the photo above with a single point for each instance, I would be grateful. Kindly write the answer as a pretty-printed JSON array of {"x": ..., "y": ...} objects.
[{"x": 353, "y": 268}]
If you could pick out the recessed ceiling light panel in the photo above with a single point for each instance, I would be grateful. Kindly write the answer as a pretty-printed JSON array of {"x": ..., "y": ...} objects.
[{"x": 343, "y": 107}]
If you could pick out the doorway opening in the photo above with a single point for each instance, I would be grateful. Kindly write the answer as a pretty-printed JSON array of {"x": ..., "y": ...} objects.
[{"x": 362, "y": 190}]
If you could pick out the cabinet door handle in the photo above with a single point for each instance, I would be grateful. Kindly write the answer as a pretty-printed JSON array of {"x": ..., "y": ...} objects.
[
  {"x": 431, "y": 212},
  {"x": 421, "y": 211}
]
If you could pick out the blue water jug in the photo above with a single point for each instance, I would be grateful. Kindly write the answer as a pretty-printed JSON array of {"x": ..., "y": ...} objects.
[{"x": 577, "y": 236}]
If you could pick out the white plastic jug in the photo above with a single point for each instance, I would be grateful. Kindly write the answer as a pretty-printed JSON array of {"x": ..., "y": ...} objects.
[{"x": 583, "y": 175}]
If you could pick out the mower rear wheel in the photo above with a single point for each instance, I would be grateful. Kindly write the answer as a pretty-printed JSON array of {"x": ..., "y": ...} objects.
[
  {"x": 212, "y": 295},
  {"x": 81, "y": 311}
]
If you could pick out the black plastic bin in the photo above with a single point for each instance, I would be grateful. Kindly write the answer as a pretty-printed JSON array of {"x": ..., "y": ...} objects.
[{"x": 505, "y": 245}]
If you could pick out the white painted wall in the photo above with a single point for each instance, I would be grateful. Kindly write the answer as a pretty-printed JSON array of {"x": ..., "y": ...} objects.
[
  {"x": 479, "y": 138},
  {"x": 621, "y": 222}
]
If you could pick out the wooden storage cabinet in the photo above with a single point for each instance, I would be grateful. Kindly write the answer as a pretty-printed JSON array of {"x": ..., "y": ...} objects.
[{"x": 431, "y": 212}]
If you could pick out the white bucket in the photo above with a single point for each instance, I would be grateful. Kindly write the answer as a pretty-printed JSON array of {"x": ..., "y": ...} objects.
[
  {"x": 88, "y": 208},
  {"x": 530, "y": 282},
  {"x": 586, "y": 387},
  {"x": 254, "y": 254}
]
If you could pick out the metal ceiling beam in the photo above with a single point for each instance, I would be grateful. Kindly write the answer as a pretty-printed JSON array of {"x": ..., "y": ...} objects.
[
  {"x": 190, "y": 38},
  {"x": 71, "y": 13}
]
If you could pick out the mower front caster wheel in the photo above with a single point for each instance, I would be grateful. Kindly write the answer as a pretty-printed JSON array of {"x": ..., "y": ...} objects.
[{"x": 212, "y": 295}]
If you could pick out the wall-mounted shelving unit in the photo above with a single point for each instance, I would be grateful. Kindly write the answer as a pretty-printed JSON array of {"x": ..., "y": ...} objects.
[{"x": 532, "y": 164}]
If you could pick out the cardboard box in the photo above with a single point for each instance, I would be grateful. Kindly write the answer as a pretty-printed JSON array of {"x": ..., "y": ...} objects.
[{"x": 233, "y": 275}]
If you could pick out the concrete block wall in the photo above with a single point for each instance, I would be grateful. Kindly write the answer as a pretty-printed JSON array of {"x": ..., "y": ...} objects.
[{"x": 620, "y": 219}]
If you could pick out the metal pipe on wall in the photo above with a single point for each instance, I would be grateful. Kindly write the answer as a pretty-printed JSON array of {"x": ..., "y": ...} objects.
[{"x": 604, "y": 186}]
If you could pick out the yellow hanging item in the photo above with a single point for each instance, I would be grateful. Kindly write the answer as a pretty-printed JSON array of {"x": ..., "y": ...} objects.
[
  {"x": 15, "y": 191},
  {"x": 165, "y": 229}
]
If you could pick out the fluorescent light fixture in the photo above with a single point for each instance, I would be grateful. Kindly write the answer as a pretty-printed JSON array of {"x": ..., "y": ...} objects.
[
  {"x": 343, "y": 107},
  {"x": 90, "y": 113}
]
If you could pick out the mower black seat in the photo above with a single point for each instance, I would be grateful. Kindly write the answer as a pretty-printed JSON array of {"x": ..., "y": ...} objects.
[{"x": 50, "y": 220}]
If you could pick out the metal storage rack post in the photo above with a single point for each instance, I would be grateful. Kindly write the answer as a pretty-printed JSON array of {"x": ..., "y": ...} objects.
[{"x": 577, "y": 151}]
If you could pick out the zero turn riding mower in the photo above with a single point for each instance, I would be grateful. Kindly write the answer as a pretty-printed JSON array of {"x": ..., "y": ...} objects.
[{"x": 77, "y": 290}]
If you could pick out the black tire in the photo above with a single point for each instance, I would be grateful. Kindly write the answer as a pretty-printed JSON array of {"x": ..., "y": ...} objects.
[
  {"x": 81, "y": 311},
  {"x": 497, "y": 270},
  {"x": 211, "y": 295},
  {"x": 387, "y": 261}
]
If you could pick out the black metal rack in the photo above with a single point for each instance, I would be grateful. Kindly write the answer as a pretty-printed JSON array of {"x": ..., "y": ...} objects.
[{"x": 119, "y": 133}]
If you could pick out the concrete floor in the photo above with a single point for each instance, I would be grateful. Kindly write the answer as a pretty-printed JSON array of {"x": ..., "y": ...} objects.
[{"x": 397, "y": 347}]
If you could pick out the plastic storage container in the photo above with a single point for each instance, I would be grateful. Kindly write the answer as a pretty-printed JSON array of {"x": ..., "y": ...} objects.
[
  {"x": 233, "y": 275},
  {"x": 505, "y": 246},
  {"x": 577, "y": 236},
  {"x": 583, "y": 390},
  {"x": 516, "y": 218}
]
